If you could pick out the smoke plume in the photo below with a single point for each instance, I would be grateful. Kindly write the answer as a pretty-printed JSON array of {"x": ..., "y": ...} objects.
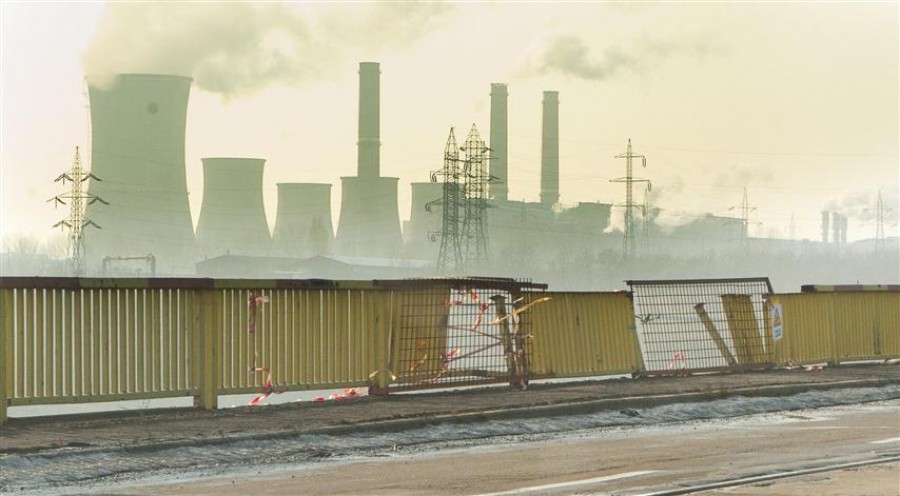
[
  {"x": 238, "y": 48},
  {"x": 571, "y": 55}
]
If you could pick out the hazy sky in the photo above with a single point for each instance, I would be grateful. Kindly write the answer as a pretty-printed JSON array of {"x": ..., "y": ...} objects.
[{"x": 797, "y": 102}]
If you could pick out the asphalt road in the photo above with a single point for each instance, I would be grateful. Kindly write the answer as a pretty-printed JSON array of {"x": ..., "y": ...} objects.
[{"x": 619, "y": 461}]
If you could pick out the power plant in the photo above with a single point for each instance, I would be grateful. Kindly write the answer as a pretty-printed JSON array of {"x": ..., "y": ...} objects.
[{"x": 138, "y": 138}]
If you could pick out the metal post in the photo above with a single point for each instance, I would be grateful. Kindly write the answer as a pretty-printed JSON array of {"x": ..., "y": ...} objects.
[
  {"x": 505, "y": 336},
  {"x": 206, "y": 353},
  {"x": 6, "y": 351}
]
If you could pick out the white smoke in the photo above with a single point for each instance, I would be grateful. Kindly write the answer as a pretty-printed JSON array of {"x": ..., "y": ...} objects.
[
  {"x": 863, "y": 207},
  {"x": 570, "y": 55},
  {"x": 237, "y": 48}
]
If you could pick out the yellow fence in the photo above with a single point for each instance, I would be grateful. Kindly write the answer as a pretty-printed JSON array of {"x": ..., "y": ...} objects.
[
  {"x": 835, "y": 327},
  {"x": 584, "y": 334},
  {"x": 72, "y": 340},
  {"x": 89, "y": 340}
]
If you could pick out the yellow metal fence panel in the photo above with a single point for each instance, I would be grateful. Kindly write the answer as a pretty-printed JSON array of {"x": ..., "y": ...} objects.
[
  {"x": 865, "y": 324},
  {"x": 807, "y": 323},
  {"x": 582, "y": 334},
  {"x": 305, "y": 338}
]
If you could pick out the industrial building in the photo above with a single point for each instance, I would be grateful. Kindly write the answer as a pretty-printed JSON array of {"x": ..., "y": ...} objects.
[{"x": 138, "y": 126}]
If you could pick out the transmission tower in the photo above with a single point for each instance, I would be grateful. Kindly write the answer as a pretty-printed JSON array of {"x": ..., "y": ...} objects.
[
  {"x": 879, "y": 223},
  {"x": 76, "y": 221},
  {"x": 628, "y": 241},
  {"x": 476, "y": 183},
  {"x": 450, "y": 256},
  {"x": 745, "y": 217},
  {"x": 645, "y": 220}
]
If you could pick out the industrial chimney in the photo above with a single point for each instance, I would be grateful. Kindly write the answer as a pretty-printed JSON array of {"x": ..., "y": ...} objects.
[
  {"x": 550, "y": 150},
  {"x": 499, "y": 186},
  {"x": 825, "y": 217},
  {"x": 232, "y": 215},
  {"x": 369, "y": 224},
  {"x": 835, "y": 227},
  {"x": 303, "y": 225},
  {"x": 368, "y": 159},
  {"x": 137, "y": 134}
]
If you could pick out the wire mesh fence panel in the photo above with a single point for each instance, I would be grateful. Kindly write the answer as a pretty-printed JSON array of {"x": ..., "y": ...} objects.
[
  {"x": 689, "y": 326},
  {"x": 453, "y": 332}
]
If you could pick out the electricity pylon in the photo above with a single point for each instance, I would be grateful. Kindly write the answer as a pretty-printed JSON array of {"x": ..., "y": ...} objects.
[
  {"x": 450, "y": 256},
  {"x": 76, "y": 221},
  {"x": 628, "y": 243},
  {"x": 475, "y": 193},
  {"x": 745, "y": 217},
  {"x": 879, "y": 223}
]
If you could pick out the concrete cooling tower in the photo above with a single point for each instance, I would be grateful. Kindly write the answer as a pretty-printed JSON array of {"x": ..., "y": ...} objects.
[
  {"x": 422, "y": 223},
  {"x": 369, "y": 224},
  {"x": 137, "y": 131},
  {"x": 303, "y": 226},
  {"x": 550, "y": 149},
  {"x": 232, "y": 215}
]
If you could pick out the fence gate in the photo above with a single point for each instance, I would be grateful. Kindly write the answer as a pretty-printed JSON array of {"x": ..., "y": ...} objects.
[
  {"x": 456, "y": 332},
  {"x": 701, "y": 325}
]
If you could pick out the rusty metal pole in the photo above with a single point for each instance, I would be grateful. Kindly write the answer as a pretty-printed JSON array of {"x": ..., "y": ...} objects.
[{"x": 505, "y": 336}]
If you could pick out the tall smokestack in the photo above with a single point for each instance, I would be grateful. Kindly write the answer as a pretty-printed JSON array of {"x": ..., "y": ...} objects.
[
  {"x": 368, "y": 160},
  {"x": 232, "y": 215},
  {"x": 499, "y": 142},
  {"x": 303, "y": 226},
  {"x": 369, "y": 224},
  {"x": 825, "y": 217},
  {"x": 835, "y": 227},
  {"x": 550, "y": 149},
  {"x": 843, "y": 229},
  {"x": 137, "y": 134}
]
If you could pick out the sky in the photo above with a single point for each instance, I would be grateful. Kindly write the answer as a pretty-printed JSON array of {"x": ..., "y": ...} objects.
[{"x": 796, "y": 102}]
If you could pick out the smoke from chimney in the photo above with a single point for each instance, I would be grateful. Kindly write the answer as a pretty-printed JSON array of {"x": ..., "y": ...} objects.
[{"x": 239, "y": 47}]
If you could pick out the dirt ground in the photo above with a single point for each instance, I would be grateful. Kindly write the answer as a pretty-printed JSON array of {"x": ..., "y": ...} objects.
[{"x": 397, "y": 412}]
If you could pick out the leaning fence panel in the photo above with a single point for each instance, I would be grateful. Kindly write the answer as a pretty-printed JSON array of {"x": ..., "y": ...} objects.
[{"x": 701, "y": 325}]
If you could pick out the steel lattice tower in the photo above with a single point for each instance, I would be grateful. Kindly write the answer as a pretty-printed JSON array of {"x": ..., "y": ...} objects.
[
  {"x": 628, "y": 241},
  {"x": 450, "y": 255},
  {"x": 76, "y": 221},
  {"x": 879, "y": 223},
  {"x": 745, "y": 217},
  {"x": 476, "y": 183}
]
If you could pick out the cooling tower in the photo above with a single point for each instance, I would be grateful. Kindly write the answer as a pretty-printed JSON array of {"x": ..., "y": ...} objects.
[
  {"x": 303, "y": 225},
  {"x": 422, "y": 223},
  {"x": 137, "y": 131},
  {"x": 550, "y": 149},
  {"x": 499, "y": 143},
  {"x": 232, "y": 215},
  {"x": 369, "y": 224}
]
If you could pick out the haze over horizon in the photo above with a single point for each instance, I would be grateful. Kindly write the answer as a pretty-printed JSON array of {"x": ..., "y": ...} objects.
[{"x": 797, "y": 103}]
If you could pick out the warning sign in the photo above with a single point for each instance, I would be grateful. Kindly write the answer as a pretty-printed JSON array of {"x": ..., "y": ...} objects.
[{"x": 777, "y": 318}]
